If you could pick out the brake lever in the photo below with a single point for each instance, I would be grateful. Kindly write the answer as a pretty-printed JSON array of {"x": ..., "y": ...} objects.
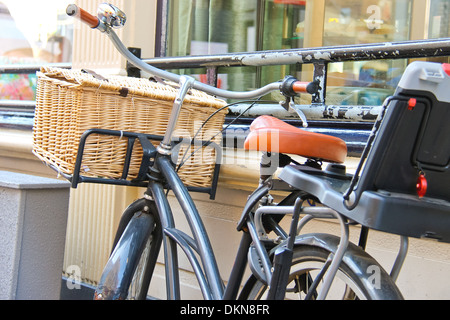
[{"x": 289, "y": 105}]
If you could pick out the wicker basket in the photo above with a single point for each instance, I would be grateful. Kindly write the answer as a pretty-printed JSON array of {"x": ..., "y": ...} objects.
[{"x": 69, "y": 102}]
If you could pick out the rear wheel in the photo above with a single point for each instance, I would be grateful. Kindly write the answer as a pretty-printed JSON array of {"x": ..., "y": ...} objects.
[{"x": 356, "y": 279}]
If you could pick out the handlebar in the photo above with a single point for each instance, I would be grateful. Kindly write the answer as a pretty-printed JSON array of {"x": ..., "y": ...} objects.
[
  {"x": 75, "y": 11},
  {"x": 294, "y": 86}
]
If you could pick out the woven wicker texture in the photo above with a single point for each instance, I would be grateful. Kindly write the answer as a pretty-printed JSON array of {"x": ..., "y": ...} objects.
[{"x": 69, "y": 102}]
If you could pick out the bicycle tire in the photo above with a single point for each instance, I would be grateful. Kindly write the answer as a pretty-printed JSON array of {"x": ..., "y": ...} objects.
[
  {"x": 129, "y": 268},
  {"x": 363, "y": 277}
]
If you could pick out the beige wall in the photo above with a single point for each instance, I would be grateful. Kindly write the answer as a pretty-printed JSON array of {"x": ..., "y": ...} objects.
[
  {"x": 95, "y": 210},
  {"x": 91, "y": 49}
]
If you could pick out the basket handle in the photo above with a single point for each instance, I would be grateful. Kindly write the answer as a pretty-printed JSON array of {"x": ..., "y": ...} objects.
[{"x": 94, "y": 74}]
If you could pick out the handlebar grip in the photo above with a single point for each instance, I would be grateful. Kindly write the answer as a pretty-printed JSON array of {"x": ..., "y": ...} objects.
[
  {"x": 291, "y": 86},
  {"x": 305, "y": 87},
  {"x": 299, "y": 86},
  {"x": 74, "y": 11}
]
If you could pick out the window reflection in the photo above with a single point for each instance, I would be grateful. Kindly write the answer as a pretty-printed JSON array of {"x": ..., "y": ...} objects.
[
  {"x": 369, "y": 21},
  {"x": 355, "y": 22},
  {"x": 439, "y": 23},
  {"x": 217, "y": 26},
  {"x": 32, "y": 32}
]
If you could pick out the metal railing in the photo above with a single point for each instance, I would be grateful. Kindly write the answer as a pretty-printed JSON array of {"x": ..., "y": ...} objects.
[
  {"x": 320, "y": 57},
  {"x": 353, "y": 123},
  {"x": 355, "y": 133}
]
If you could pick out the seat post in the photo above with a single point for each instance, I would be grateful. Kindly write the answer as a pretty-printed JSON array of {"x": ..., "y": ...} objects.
[{"x": 268, "y": 165}]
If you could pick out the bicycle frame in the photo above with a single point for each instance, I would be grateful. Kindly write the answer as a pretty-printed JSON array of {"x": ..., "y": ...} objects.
[
  {"x": 162, "y": 174},
  {"x": 210, "y": 281},
  {"x": 200, "y": 243},
  {"x": 206, "y": 270}
]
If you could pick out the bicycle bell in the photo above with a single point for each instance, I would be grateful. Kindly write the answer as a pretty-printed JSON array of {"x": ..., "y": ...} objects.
[{"x": 111, "y": 15}]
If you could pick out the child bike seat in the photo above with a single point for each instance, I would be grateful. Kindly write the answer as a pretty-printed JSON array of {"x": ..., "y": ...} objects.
[
  {"x": 403, "y": 186},
  {"x": 274, "y": 135}
]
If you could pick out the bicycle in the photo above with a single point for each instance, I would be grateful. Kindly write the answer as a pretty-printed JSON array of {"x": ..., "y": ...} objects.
[{"x": 403, "y": 171}]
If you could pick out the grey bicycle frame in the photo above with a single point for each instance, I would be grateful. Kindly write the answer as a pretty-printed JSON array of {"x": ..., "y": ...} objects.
[
  {"x": 174, "y": 236},
  {"x": 210, "y": 281}
]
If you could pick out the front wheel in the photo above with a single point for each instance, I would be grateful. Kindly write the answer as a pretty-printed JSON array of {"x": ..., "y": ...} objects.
[
  {"x": 359, "y": 276},
  {"x": 130, "y": 266}
]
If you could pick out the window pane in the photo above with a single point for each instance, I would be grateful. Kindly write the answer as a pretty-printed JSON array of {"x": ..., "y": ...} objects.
[
  {"x": 438, "y": 25},
  {"x": 222, "y": 26},
  {"x": 370, "y": 21},
  {"x": 349, "y": 22},
  {"x": 439, "y": 19},
  {"x": 33, "y": 32},
  {"x": 282, "y": 28},
  {"x": 363, "y": 82},
  {"x": 205, "y": 27}
]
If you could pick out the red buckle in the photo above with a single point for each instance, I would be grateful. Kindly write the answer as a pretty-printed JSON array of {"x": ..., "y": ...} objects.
[
  {"x": 446, "y": 68},
  {"x": 421, "y": 186},
  {"x": 412, "y": 103}
]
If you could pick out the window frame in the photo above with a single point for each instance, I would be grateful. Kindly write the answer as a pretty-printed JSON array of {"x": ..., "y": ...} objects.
[{"x": 329, "y": 119}]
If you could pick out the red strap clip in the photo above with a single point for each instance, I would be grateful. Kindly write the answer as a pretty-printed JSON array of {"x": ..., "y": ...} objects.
[
  {"x": 446, "y": 68},
  {"x": 412, "y": 103},
  {"x": 421, "y": 186}
]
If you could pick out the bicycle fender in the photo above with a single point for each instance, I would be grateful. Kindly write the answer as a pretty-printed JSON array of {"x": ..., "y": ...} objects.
[
  {"x": 119, "y": 270},
  {"x": 360, "y": 262}
]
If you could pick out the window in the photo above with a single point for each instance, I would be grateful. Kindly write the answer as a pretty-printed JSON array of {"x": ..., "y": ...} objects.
[
  {"x": 357, "y": 22},
  {"x": 223, "y": 26},
  {"x": 439, "y": 21},
  {"x": 33, "y": 32},
  {"x": 203, "y": 27}
]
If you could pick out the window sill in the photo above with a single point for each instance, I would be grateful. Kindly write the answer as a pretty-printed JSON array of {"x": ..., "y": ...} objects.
[
  {"x": 16, "y": 153},
  {"x": 239, "y": 169},
  {"x": 16, "y": 143}
]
